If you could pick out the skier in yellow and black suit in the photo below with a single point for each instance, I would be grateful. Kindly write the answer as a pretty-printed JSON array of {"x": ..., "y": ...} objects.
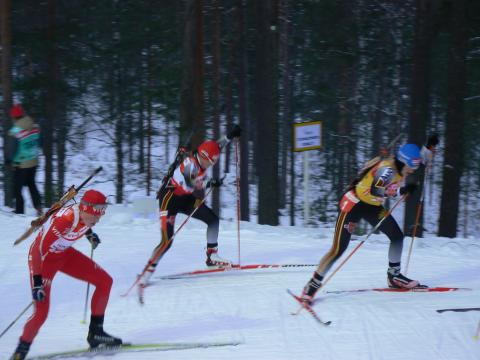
[{"x": 365, "y": 201}]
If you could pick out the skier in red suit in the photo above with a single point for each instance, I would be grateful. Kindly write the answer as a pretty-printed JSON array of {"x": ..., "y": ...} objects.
[{"x": 52, "y": 252}]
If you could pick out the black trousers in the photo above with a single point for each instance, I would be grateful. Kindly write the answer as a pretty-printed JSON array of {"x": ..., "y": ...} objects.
[
  {"x": 25, "y": 177},
  {"x": 170, "y": 206},
  {"x": 346, "y": 223}
]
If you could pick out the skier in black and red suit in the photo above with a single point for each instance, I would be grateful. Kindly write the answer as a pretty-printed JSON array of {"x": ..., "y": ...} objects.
[{"x": 184, "y": 190}]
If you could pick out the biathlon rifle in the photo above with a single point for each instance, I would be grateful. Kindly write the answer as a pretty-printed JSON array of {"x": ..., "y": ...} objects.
[
  {"x": 383, "y": 154},
  {"x": 69, "y": 195},
  {"x": 182, "y": 150}
]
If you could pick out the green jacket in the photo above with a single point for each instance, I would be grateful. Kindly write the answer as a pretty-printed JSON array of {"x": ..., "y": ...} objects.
[{"x": 23, "y": 147}]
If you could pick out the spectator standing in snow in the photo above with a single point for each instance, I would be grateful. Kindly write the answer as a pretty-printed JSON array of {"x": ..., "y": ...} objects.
[{"x": 23, "y": 148}]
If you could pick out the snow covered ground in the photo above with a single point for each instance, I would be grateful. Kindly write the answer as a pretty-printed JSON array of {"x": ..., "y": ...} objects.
[{"x": 252, "y": 306}]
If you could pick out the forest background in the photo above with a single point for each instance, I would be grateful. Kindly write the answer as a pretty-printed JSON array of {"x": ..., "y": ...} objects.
[{"x": 144, "y": 74}]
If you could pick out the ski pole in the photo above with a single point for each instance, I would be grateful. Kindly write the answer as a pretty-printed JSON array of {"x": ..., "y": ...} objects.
[
  {"x": 238, "y": 198},
  {"x": 86, "y": 296},
  {"x": 417, "y": 217},
  {"x": 477, "y": 334},
  {"x": 157, "y": 254},
  {"x": 375, "y": 228},
  {"x": 16, "y": 319}
]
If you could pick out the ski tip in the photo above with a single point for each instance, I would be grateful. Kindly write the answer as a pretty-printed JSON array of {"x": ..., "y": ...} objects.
[{"x": 327, "y": 323}]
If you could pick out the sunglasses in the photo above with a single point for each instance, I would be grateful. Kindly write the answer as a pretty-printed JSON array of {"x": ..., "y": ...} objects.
[
  {"x": 98, "y": 207},
  {"x": 211, "y": 160}
]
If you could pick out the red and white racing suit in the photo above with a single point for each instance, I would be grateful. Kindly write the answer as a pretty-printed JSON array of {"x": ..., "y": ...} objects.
[{"x": 51, "y": 252}]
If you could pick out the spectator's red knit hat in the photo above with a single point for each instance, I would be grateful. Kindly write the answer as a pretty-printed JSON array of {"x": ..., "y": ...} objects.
[
  {"x": 17, "y": 111},
  {"x": 93, "y": 202}
]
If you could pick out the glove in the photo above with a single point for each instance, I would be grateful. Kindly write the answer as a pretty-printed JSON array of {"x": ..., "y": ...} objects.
[
  {"x": 432, "y": 142},
  {"x": 235, "y": 132},
  {"x": 93, "y": 239},
  {"x": 426, "y": 155},
  {"x": 408, "y": 189},
  {"x": 391, "y": 190},
  {"x": 38, "y": 292},
  {"x": 214, "y": 183},
  {"x": 428, "y": 149}
]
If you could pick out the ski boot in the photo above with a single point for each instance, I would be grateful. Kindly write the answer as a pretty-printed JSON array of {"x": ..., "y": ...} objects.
[
  {"x": 213, "y": 260},
  {"x": 98, "y": 337},
  {"x": 396, "y": 280},
  {"x": 21, "y": 351},
  {"x": 311, "y": 289}
]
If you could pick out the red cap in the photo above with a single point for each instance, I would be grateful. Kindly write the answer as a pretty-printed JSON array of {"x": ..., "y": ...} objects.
[
  {"x": 17, "y": 111},
  {"x": 209, "y": 150},
  {"x": 93, "y": 202}
]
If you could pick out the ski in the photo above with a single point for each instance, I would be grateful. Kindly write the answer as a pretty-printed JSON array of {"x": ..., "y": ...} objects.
[
  {"x": 231, "y": 268},
  {"x": 458, "y": 310},
  {"x": 308, "y": 308},
  {"x": 128, "y": 347},
  {"x": 418, "y": 289}
]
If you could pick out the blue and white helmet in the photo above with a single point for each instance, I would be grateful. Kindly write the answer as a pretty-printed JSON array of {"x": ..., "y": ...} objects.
[{"x": 409, "y": 154}]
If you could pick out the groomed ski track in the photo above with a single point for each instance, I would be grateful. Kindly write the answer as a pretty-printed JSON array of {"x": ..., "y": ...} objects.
[{"x": 252, "y": 306}]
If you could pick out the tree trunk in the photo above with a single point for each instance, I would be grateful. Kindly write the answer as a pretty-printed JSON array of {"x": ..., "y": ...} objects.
[
  {"x": 454, "y": 137},
  {"x": 216, "y": 96},
  {"x": 150, "y": 89},
  {"x": 119, "y": 157},
  {"x": 242, "y": 112},
  {"x": 141, "y": 130},
  {"x": 420, "y": 101},
  {"x": 284, "y": 96},
  {"x": 466, "y": 203},
  {"x": 6, "y": 73},
  {"x": 192, "y": 102},
  {"x": 51, "y": 105},
  {"x": 344, "y": 131},
  {"x": 266, "y": 114},
  {"x": 117, "y": 115},
  {"x": 62, "y": 135}
]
